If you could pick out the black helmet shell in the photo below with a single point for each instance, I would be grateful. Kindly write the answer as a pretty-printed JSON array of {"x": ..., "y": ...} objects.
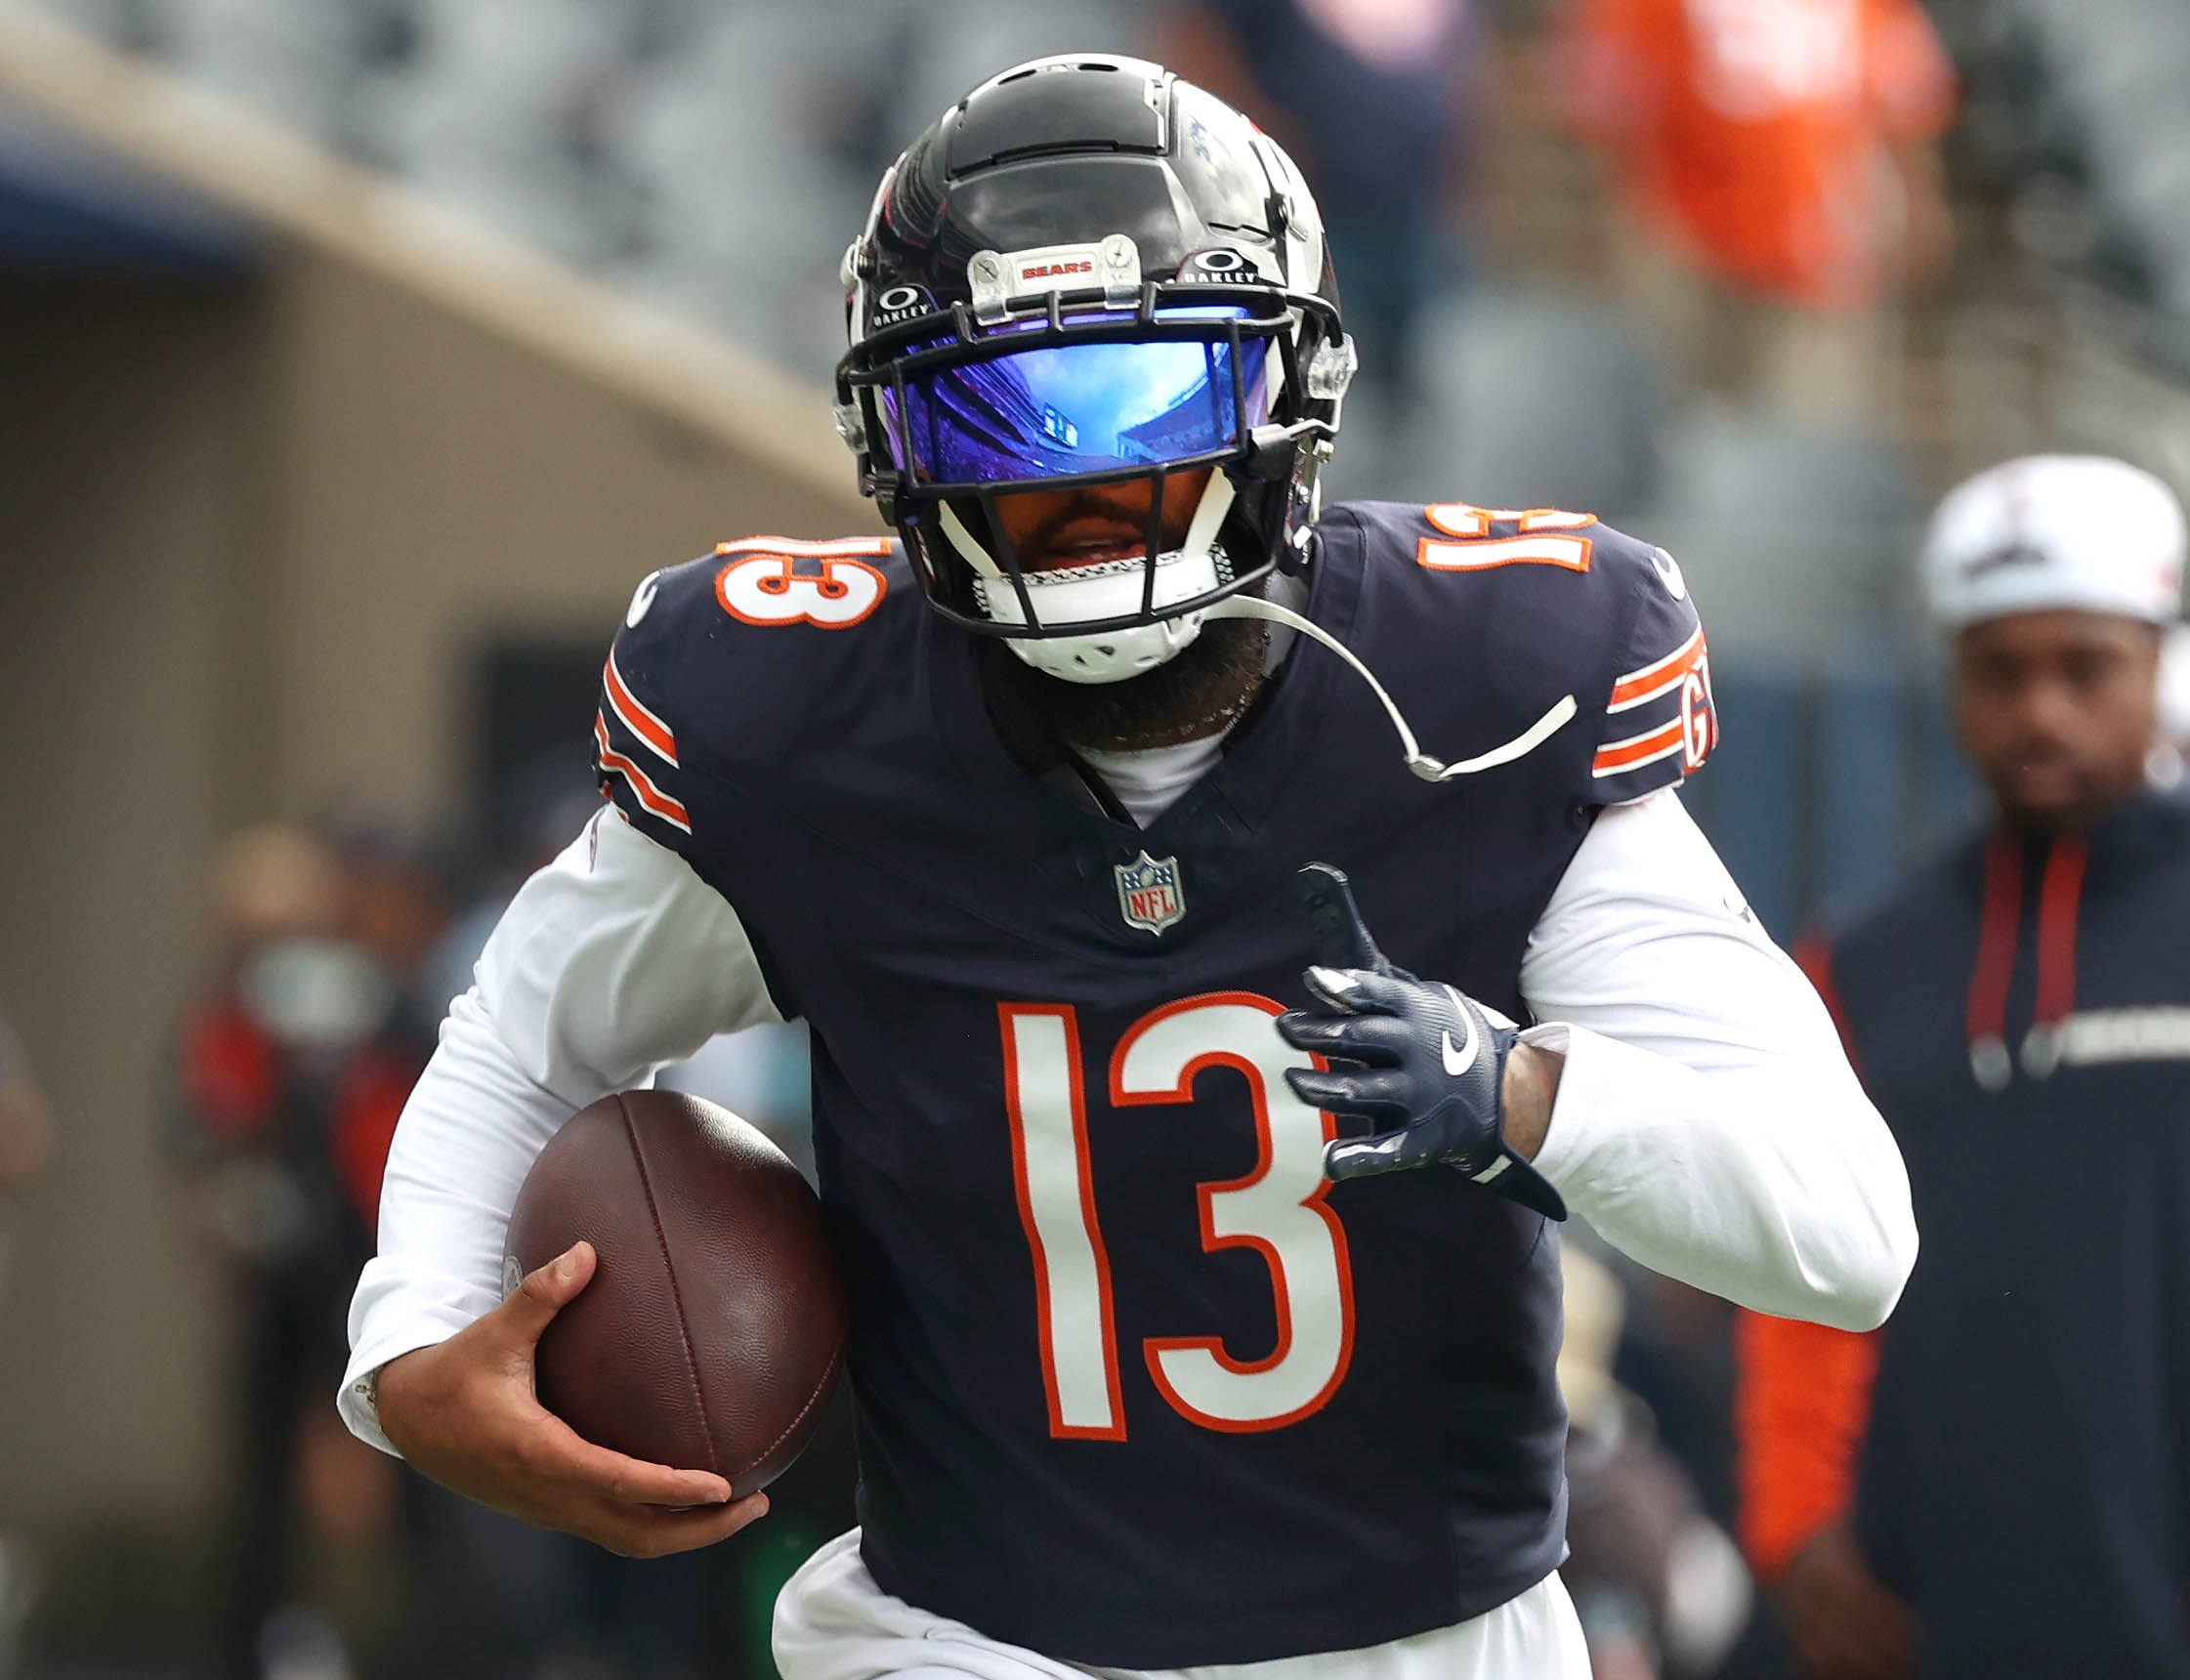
[{"x": 1095, "y": 191}]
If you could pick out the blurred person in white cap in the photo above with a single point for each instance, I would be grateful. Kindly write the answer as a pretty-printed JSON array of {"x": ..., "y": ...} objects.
[
  {"x": 2175, "y": 698},
  {"x": 2058, "y": 578},
  {"x": 1999, "y": 1483}
]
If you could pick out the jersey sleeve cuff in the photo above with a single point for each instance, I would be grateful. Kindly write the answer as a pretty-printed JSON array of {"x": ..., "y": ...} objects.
[
  {"x": 1602, "y": 1081},
  {"x": 392, "y": 1315}
]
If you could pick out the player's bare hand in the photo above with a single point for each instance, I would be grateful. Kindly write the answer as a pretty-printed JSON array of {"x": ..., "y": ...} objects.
[
  {"x": 1842, "y": 1621},
  {"x": 465, "y": 1413}
]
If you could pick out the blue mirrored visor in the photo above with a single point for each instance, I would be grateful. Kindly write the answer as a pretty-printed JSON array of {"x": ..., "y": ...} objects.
[{"x": 1061, "y": 409}]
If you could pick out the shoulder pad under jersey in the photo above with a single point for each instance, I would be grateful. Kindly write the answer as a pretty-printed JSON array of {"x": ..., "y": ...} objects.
[
  {"x": 718, "y": 654},
  {"x": 1539, "y": 603}
]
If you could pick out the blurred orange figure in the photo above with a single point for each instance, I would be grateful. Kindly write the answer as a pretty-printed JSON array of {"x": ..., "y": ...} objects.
[{"x": 1783, "y": 151}]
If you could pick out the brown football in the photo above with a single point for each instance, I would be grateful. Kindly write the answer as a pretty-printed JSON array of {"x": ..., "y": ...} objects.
[{"x": 713, "y": 1329}]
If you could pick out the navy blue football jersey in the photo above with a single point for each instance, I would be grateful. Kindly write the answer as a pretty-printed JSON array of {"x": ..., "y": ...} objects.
[
  {"x": 2035, "y": 1529},
  {"x": 1135, "y": 1385}
]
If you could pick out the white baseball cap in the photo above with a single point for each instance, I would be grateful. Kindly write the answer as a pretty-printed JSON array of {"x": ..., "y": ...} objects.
[{"x": 2056, "y": 531}]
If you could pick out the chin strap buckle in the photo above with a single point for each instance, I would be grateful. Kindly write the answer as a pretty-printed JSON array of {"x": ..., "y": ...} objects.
[
  {"x": 1331, "y": 369},
  {"x": 851, "y": 426}
]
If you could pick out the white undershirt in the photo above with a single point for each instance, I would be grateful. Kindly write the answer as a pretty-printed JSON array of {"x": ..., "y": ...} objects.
[
  {"x": 1149, "y": 781},
  {"x": 1707, "y": 1121}
]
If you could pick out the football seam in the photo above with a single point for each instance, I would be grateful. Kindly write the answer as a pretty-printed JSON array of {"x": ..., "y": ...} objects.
[
  {"x": 676, "y": 1294},
  {"x": 821, "y": 1390}
]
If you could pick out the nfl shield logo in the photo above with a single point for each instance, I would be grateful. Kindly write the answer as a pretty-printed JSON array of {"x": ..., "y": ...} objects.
[{"x": 1148, "y": 894}]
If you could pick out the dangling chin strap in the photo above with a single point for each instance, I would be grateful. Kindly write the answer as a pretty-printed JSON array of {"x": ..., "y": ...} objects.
[{"x": 1420, "y": 762}]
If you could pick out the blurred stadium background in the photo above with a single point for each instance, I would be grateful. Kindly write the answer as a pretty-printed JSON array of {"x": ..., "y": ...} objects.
[{"x": 357, "y": 356}]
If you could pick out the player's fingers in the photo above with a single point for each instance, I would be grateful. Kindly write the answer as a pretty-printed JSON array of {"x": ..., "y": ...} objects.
[
  {"x": 545, "y": 1291},
  {"x": 634, "y": 1482},
  {"x": 1361, "y": 990},
  {"x": 559, "y": 1454},
  {"x": 1335, "y": 923},
  {"x": 1380, "y": 1041},
  {"x": 1354, "y": 990},
  {"x": 1360, "y": 1157},
  {"x": 1373, "y": 1093},
  {"x": 659, "y": 1533}
]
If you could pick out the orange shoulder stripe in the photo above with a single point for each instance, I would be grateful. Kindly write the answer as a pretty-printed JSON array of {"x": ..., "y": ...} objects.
[
  {"x": 1659, "y": 676},
  {"x": 634, "y": 715},
  {"x": 1636, "y": 751},
  {"x": 650, "y": 797}
]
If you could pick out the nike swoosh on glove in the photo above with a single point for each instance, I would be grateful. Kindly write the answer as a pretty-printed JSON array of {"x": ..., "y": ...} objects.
[{"x": 1427, "y": 1061}]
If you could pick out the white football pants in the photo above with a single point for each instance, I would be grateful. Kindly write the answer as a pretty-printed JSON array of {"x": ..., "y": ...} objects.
[{"x": 832, "y": 1622}]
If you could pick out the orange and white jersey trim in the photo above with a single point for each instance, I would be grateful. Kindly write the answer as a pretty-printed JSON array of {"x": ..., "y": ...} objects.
[
  {"x": 651, "y": 799},
  {"x": 1638, "y": 750},
  {"x": 631, "y": 712},
  {"x": 1660, "y": 676},
  {"x": 1681, "y": 720}
]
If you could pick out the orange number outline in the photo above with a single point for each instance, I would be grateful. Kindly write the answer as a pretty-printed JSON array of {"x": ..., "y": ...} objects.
[{"x": 1468, "y": 544}]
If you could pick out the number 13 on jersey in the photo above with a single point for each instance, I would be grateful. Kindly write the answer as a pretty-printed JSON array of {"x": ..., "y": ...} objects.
[{"x": 1277, "y": 1209}]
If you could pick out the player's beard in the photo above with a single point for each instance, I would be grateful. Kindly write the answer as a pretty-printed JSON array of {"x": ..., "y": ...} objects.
[{"x": 1201, "y": 690}]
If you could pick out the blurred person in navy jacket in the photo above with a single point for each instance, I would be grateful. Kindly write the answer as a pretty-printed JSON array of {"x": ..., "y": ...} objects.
[{"x": 1999, "y": 1483}]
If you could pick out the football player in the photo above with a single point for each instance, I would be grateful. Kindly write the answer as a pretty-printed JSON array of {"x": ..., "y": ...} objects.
[{"x": 1202, "y": 1257}]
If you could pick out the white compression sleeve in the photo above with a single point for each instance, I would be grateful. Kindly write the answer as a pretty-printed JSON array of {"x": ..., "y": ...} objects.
[
  {"x": 1707, "y": 1122},
  {"x": 613, "y": 960}
]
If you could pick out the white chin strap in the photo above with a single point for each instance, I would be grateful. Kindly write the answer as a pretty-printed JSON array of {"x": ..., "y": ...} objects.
[
  {"x": 1420, "y": 762},
  {"x": 1107, "y": 589},
  {"x": 1112, "y": 589}
]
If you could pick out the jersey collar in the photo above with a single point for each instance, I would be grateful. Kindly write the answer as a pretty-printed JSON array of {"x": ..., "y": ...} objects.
[{"x": 1263, "y": 753}]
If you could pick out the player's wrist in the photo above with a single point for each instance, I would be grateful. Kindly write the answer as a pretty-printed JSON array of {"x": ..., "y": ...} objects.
[
  {"x": 387, "y": 1391},
  {"x": 1527, "y": 1092},
  {"x": 367, "y": 1390}
]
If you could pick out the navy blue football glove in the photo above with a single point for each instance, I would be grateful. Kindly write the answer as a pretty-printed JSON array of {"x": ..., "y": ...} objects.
[{"x": 1428, "y": 1063}]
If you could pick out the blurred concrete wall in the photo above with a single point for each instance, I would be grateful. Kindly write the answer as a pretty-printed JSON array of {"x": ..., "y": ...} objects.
[{"x": 250, "y": 534}]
